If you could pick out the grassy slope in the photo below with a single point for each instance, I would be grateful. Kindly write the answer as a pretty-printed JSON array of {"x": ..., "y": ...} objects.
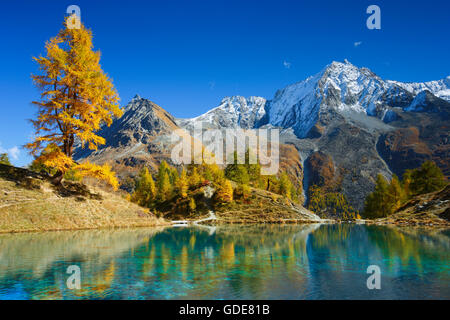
[
  {"x": 260, "y": 207},
  {"x": 28, "y": 202},
  {"x": 426, "y": 209},
  {"x": 264, "y": 206}
]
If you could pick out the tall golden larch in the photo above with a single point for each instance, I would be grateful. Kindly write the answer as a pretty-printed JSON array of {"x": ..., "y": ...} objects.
[{"x": 77, "y": 98}]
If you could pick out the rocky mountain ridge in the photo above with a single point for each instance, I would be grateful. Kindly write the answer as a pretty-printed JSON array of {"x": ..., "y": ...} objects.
[{"x": 346, "y": 124}]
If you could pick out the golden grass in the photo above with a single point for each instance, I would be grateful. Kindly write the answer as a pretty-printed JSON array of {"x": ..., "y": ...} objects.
[
  {"x": 44, "y": 209},
  {"x": 262, "y": 207}
]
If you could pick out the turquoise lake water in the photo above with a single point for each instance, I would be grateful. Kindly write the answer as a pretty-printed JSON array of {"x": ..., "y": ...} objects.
[{"x": 230, "y": 262}]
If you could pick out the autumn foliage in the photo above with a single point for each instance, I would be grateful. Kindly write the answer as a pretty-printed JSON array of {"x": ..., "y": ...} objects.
[
  {"x": 187, "y": 189},
  {"x": 390, "y": 196},
  {"x": 77, "y": 98}
]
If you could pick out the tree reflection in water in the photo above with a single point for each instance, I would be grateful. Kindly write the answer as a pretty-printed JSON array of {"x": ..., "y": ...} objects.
[{"x": 236, "y": 262}]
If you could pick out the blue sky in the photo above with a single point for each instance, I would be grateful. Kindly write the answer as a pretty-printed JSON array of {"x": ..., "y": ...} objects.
[{"x": 187, "y": 55}]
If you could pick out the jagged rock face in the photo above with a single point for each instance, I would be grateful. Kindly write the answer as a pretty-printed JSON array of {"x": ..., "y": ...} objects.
[
  {"x": 141, "y": 122},
  {"x": 345, "y": 125},
  {"x": 418, "y": 136},
  {"x": 356, "y": 161},
  {"x": 291, "y": 162},
  {"x": 440, "y": 88},
  {"x": 339, "y": 86},
  {"x": 139, "y": 138},
  {"x": 233, "y": 112},
  {"x": 343, "y": 110},
  {"x": 402, "y": 149},
  {"x": 345, "y": 88},
  {"x": 425, "y": 101},
  {"x": 321, "y": 170}
]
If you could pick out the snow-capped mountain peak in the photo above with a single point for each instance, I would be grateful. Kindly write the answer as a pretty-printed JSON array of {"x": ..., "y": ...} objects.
[
  {"x": 232, "y": 112},
  {"x": 242, "y": 106},
  {"x": 440, "y": 88},
  {"x": 342, "y": 86},
  {"x": 338, "y": 87}
]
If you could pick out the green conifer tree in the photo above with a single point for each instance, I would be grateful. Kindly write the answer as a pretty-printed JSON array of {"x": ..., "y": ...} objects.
[
  {"x": 377, "y": 204},
  {"x": 396, "y": 195},
  {"x": 427, "y": 178}
]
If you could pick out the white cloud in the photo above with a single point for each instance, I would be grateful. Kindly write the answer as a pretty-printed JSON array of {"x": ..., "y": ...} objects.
[
  {"x": 12, "y": 152},
  {"x": 357, "y": 44},
  {"x": 286, "y": 64}
]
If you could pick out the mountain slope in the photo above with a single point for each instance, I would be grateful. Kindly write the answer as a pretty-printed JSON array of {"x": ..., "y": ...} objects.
[
  {"x": 232, "y": 112},
  {"x": 432, "y": 209},
  {"x": 365, "y": 126},
  {"x": 440, "y": 88},
  {"x": 29, "y": 202},
  {"x": 344, "y": 88},
  {"x": 359, "y": 125},
  {"x": 140, "y": 137}
]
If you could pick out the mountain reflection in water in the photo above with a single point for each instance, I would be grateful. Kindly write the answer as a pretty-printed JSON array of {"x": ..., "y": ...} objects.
[{"x": 228, "y": 262}]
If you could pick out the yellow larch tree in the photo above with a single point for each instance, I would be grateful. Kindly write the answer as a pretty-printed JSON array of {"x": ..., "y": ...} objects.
[
  {"x": 77, "y": 98},
  {"x": 183, "y": 184},
  {"x": 224, "y": 193}
]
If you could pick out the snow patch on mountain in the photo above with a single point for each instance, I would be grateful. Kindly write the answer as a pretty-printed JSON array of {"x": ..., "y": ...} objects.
[
  {"x": 340, "y": 87},
  {"x": 440, "y": 88},
  {"x": 418, "y": 103},
  {"x": 345, "y": 88},
  {"x": 232, "y": 112}
]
